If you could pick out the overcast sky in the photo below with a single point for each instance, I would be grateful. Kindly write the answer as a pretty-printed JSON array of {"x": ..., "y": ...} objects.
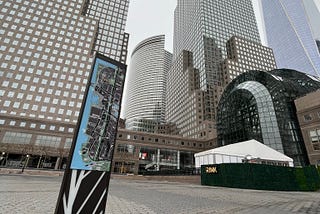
[{"x": 148, "y": 18}]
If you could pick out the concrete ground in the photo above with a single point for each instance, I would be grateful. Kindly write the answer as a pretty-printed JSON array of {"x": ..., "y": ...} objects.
[{"x": 38, "y": 194}]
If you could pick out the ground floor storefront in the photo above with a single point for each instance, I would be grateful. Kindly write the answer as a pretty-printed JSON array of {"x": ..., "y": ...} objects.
[
  {"x": 14, "y": 160},
  {"x": 134, "y": 153}
]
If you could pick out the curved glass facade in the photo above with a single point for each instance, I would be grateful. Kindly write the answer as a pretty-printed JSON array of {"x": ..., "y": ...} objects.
[
  {"x": 266, "y": 112},
  {"x": 146, "y": 86},
  {"x": 260, "y": 105}
]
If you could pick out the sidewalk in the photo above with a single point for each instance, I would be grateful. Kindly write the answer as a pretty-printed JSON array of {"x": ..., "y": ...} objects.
[
  {"x": 7, "y": 171},
  {"x": 25, "y": 194}
]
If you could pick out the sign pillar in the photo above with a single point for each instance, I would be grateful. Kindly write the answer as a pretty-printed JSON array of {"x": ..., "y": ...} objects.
[{"x": 85, "y": 183}]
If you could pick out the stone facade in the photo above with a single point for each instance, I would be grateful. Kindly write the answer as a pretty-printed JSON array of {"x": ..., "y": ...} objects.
[{"x": 308, "y": 111}]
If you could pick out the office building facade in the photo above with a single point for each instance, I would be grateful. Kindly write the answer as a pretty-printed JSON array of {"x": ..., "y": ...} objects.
[
  {"x": 135, "y": 152},
  {"x": 184, "y": 99},
  {"x": 141, "y": 152},
  {"x": 110, "y": 40},
  {"x": 189, "y": 109},
  {"x": 244, "y": 55},
  {"x": 203, "y": 28},
  {"x": 288, "y": 33},
  {"x": 47, "y": 51},
  {"x": 146, "y": 85},
  {"x": 205, "y": 25}
]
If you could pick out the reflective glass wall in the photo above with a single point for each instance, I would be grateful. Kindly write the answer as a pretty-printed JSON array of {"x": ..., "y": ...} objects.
[{"x": 260, "y": 105}]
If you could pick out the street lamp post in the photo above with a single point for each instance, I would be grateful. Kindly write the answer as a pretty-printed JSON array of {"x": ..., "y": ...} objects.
[
  {"x": 3, "y": 159},
  {"x": 25, "y": 163},
  {"x": 39, "y": 162}
]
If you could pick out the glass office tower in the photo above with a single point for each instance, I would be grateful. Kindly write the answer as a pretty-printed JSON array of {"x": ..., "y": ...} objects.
[
  {"x": 312, "y": 9},
  {"x": 289, "y": 34},
  {"x": 146, "y": 84}
]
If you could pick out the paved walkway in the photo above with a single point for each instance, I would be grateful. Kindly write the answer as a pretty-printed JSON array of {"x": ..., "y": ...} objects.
[{"x": 38, "y": 194}]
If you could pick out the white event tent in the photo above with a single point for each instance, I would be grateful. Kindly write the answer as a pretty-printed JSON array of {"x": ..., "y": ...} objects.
[{"x": 238, "y": 152}]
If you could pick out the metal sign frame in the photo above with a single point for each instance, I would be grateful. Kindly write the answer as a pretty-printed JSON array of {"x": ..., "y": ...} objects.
[{"x": 86, "y": 179}]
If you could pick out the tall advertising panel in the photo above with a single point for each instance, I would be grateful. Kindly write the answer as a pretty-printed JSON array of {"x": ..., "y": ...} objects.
[{"x": 85, "y": 184}]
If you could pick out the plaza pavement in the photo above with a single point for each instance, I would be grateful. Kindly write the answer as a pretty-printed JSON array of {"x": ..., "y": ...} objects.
[{"x": 38, "y": 194}]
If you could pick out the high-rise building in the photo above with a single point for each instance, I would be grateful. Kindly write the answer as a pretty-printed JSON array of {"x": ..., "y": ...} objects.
[
  {"x": 188, "y": 108},
  {"x": 201, "y": 26},
  {"x": 110, "y": 40},
  {"x": 244, "y": 55},
  {"x": 312, "y": 9},
  {"x": 146, "y": 84},
  {"x": 47, "y": 50},
  {"x": 288, "y": 33},
  {"x": 185, "y": 100}
]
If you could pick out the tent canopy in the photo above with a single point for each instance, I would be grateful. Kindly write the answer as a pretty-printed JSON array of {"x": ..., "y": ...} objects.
[{"x": 250, "y": 147}]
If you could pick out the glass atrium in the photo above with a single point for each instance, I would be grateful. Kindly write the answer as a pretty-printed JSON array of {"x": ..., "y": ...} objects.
[{"x": 260, "y": 105}]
